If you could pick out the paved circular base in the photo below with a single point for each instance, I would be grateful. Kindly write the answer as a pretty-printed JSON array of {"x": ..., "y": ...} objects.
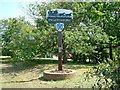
[{"x": 58, "y": 75}]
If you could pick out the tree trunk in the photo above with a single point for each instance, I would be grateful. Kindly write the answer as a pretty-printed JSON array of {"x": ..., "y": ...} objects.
[
  {"x": 110, "y": 51},
  {"x": 84, "y": 59},
  {"x": 102, "y": 54},
  {"x": 74, "y": 57}
]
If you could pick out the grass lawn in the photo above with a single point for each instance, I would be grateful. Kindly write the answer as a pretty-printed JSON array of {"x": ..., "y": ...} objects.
[{"x": 29, "y": 74}]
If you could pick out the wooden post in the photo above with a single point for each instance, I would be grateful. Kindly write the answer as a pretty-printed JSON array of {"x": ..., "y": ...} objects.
[{"x": 59, "y": 51}]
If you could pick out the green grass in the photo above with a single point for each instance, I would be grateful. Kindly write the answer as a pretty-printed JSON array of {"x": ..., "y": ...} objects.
[{"x": 29, "y": 74}]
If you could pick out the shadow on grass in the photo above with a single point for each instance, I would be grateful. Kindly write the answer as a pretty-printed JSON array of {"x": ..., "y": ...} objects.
[
  {"x": 22, "y": 65},
  {"x": 44, "y": 61},
  {"x": 4, "y": 61},
  {"x": 20, "y": 81},
  {"x": 78, "y": 65},
  {"x": 81, "y": 63},
  {"x": 43, "y": 64},
  {"x": 41, "y": 79}
]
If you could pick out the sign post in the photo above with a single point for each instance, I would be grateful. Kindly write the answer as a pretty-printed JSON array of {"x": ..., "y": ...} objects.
[
  {"x": 59, "y": 16},
  {"x": 59, "y": 51},
  {"x": 60, "y": 27}
]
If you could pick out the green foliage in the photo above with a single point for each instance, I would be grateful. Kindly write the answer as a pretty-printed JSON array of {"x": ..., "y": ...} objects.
[
  {"x": 107, "y": 74},
  {"x": 84, "y": 37},
  {"x": 17, "y": 38},
  {"x": 90, "y": 36}
]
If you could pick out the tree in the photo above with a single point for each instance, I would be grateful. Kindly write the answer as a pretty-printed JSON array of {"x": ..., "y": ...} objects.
[
  {"x": 106, "y": 14},
  {"x": 88, "y": 37},
  {"x": 82, "y": 15},
  {"x": 107, "y": 74},
  {"x": 17, "y": 38}
]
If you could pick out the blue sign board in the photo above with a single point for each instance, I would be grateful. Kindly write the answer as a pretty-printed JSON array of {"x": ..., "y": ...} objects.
[{"x": 59, "y": 16}]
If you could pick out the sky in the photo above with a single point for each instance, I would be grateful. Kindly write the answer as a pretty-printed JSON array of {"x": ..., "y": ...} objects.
[{"x": 14, "y": 8}]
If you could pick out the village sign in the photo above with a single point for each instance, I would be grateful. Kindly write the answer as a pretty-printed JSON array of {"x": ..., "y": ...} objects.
[{"x": 59, "y": 16}]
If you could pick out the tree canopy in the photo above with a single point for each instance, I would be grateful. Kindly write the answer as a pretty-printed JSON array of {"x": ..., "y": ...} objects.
[{"x": 93, "y": 34}]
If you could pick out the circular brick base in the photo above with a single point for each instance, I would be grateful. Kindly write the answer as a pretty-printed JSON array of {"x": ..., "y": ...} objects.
[{"x": 58, "y": 75}]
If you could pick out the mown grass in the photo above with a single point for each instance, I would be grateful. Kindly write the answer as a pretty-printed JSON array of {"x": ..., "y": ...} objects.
[
  {"x": 22, "y": 65},
  {"x": 29, "y": 74}
]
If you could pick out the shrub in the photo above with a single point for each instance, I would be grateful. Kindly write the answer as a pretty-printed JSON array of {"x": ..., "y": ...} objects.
[{"x": 107, "y": 73}]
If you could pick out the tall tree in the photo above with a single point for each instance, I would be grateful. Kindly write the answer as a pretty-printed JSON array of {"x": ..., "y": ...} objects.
[
  {"x": 74, "y": 31},
  {"x": 17, "y": 38}
]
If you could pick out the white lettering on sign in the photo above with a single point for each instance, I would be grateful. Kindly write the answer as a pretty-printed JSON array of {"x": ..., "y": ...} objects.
[
  {"x": 59, "y": 20},
  {"x": 59, "y": 16}
]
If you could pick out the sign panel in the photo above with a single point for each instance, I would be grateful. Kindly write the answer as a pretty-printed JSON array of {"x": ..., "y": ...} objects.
[
  {"x": 59, "y": 16},
  {"x": 60, "y": 26}
]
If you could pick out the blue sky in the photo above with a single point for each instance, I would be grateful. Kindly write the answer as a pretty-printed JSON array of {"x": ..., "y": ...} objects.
[
  {"x": 10, "y": 9},
  {"x": 13, "y": 8}
]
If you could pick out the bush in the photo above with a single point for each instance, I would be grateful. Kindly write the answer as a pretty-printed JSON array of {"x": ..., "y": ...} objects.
[
  {"x": 107, "y": 73},
  {"x": 17, "y": 39}
]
